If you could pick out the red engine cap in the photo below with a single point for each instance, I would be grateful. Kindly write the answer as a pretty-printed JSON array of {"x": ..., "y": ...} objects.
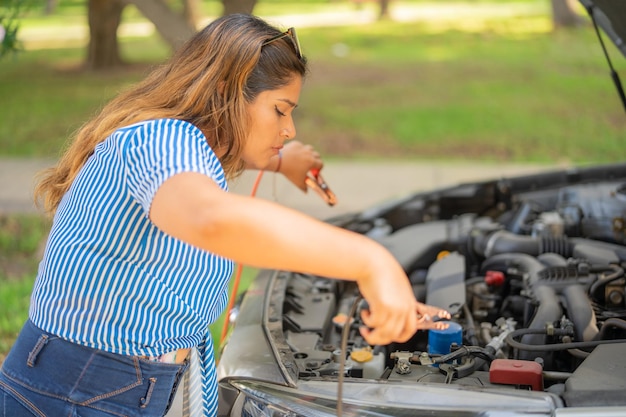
[{"x": 516, "y": 372}]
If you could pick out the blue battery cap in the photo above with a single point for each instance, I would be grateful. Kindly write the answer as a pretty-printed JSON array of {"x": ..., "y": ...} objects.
[{"x": 439, "y": 341}]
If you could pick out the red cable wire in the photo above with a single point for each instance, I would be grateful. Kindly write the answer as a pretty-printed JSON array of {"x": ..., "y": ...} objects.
[{"x": 237, "y": 278}]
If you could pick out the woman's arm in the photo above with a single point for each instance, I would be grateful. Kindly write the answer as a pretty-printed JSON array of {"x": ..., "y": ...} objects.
[{"x": 259, "y": 233}]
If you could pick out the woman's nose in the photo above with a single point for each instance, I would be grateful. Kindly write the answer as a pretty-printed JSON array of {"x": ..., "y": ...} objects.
[{"x": 289, "y": 131}]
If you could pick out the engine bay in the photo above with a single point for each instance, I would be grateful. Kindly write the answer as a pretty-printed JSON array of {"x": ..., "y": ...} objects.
[{"x": 531, "y": 270}]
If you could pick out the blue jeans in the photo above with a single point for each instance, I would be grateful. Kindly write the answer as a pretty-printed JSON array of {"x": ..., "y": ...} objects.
[{"x": 46, "y": 376}]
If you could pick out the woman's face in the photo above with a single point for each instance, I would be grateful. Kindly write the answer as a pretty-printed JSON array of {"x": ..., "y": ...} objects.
[{"x": 271, "y": 123}]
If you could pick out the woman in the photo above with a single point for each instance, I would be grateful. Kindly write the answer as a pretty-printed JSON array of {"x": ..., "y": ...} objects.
[{"x": 144, "y": 235}]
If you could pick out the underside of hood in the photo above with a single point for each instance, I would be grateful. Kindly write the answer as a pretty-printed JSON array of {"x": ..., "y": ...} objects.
[{"x": 610, "y": 15}]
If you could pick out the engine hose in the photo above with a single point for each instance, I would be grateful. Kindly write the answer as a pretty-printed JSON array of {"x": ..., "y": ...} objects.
[
  {"x": 516, "y": 224},
  {"x": 548, "y": 305},
  {"x": 602, "y": 268},
  {"x": 616, "y": 251},
  {"x": 493, "y": 243},
  {"x": 611, "y": 323},
  {"x": 561, "y": 273},
  {"x": 577, "y": 353},
  {"x": 471, "y": 326},
  {"x": 504, "y": 261},
  {"x": 487, "y": 354},
  {"x": 580, "y": 312},
  {"x": 618, "y": 273},
  {"x": 556, "y": 375},
  {"x": 548, "y": 311},
  {"x": 476, "y": 358},
  {"x": 503, "y": 241},
  {"x": 510, "y": 340},
  {"x": 552, "y": 259},
  {"x": 458, "y": 371},
  {"x": 560, "y": 245}
]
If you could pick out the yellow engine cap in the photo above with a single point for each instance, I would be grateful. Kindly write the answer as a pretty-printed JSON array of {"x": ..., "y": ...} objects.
[{"x": 362, "y": 355}]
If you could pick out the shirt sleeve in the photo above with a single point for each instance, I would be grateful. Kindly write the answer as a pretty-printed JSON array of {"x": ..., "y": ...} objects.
[{"x": 160, "y": 149}]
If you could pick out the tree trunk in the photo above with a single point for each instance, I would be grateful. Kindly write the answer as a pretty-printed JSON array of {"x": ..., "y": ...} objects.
[
  {"x": 104, "y": 18},
  {"x": 564, "y": 15},
  {"x": 191, "y": 12},
  {"x": 51, "y": 7},
  {"x": 384, "y": 9},
  {"x": 172, "y": 26},
  {"x": 238, "y": 6}
]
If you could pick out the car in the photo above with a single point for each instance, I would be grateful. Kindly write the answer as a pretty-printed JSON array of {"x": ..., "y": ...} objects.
[{"x": 531, "y": 268}]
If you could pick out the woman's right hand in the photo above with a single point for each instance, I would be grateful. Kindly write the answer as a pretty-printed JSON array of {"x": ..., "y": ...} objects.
[{"x": 394, "y": 315}]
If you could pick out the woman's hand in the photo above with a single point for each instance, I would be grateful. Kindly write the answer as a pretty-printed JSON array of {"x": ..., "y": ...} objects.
[
  {"x": 429, "y": 316},
  {"x": 394, "y": 315},
  {"x": 297, "y": 160}
]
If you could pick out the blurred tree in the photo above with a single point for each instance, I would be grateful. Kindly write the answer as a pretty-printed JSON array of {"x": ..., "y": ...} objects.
[
  {"x": 564, "y": 14},
  {"x": 384, "y": 9},
  {"x": 9, "y": 12},
  {"x": 174, "y": 26},
  {"x": 238, "y": 6},
  {"x": 105, "y": 16},
  {"x": 191, "y": 12},
  {"x": 51, "y": 6}
]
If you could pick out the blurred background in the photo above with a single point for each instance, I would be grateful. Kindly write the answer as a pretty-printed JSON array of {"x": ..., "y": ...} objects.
[{"x": 493, "y": 83}]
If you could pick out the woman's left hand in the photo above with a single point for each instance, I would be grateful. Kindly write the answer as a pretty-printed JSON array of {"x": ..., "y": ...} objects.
[{"x": 297, "y": 160}]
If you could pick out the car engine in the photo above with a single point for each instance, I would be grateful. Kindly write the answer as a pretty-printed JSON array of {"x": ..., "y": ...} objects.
[{"x": 531, "y": 270}]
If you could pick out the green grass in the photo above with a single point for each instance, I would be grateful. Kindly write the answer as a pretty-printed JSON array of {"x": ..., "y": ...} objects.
[
  {"x": 46, "y": 96},
  {"x": 539, "y": 97},
  {"x": 499, "y": 89},
  {"x": 14, "y": 302},
  {"x": 21, "y": 237}
]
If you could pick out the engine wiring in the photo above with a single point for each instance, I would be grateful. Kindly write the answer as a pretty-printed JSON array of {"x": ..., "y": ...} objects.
[{"x": 553, "y": 347}]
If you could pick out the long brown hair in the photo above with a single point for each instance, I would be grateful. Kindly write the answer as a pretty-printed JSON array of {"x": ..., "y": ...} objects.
[{"x": 208, "y": 82}]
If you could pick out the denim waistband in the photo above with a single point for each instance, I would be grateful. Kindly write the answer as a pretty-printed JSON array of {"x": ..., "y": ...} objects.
[{"x": 45, "y": 364}]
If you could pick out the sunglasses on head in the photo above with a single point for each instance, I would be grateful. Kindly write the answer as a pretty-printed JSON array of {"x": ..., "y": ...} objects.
[{"x": 291, "y": 34}]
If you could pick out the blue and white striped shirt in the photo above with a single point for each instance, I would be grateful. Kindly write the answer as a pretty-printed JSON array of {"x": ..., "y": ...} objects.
[{"x": 109, "y": 278}]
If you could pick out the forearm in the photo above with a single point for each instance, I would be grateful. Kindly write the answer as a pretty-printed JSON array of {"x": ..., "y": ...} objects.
[
  {"x": 260, "y": 233},
  {"x": 266, "y": 235}
]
